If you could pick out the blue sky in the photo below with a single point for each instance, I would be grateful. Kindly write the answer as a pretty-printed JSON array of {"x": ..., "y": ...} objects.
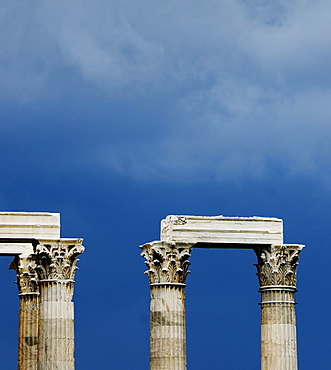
[{"x": 116, "y": 114}]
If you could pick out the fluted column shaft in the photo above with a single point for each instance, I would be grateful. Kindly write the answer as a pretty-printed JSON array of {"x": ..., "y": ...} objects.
[
  {"x": 167, "y": 270},
  {"x": 28, "y": 328},
  {"x": 56, "y": 349},
  {"x": 56, "y": 269},
  {"x": 28, "y": 332},
  {"x": 278, "y": 329},
  {"x": 277, "y": 266},
  {"x": 168, "y": 327}
]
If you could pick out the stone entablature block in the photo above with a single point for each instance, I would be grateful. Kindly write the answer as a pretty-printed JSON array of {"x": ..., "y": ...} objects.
[
  {"x": 45, "y": 266},
  {"x": 21, "y": 247},
  {"x": 25, "y": 225},
  {"x": 221, "y": 229},
  {"x": 167, "y": 267}
]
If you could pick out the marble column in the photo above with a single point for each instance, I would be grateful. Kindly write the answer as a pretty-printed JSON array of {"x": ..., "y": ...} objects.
[
  {"x": 277, "y": 265},
  {"x": 167, "y": 268},
  {"x": 27, "y": 282},
  {"x": 56, "y": 267}
]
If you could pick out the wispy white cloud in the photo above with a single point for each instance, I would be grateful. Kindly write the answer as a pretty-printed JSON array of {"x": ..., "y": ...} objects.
[{"x": 249, "y": 81}]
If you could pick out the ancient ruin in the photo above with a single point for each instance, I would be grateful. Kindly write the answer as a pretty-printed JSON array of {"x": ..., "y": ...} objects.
[
  {"x": 45, "y": 266},
  {"x": 167, "y": 267}
]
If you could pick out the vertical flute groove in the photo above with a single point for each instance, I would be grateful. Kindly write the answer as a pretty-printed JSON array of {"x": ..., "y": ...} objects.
[
  {"x": 56, "y": 269},
  {"x": 168, "y": 328},
  {"x": 277, "y": 265},
  {"x": 28, "y": 329},
  {"x": 167, "y": 270}
]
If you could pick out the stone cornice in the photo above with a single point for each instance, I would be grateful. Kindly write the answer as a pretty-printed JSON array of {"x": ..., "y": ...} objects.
[
  {"x": 277, "y": 264},
  {"x": 167, "y": 264},
  {"x": 57, "y": 259}
]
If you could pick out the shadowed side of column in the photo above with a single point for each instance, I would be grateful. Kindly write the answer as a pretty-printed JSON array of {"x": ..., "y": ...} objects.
[{"x": 28, "y": 329}]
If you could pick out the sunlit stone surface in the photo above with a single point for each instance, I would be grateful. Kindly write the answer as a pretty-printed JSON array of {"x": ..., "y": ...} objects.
[
  {"x": 56, "y": 267},
  {"x": 220, "y": 229},
  {"x": 277, "y": 267},
  {"x": 167, "y": 268},
  {"x": 45, "y": 267},
  {"x": 19, "y": 231},
  {"x": 36, "y": 225}
]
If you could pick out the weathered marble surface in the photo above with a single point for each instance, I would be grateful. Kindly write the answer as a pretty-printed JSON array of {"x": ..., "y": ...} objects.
[
  {"x": 22, "y": 247},
  {"x": 278, "y": 335},
  {"x": 56, "y": 268},
  {"x": 45, "y": 267},
  {"x": 277, "y": 267},
  {"x": 28, "y": 328},
  {"x": 168, "y": 328},
  {"x": 167, "y": 268},
  {"x": 29, "y": 225},
  {"x": 220, "y": 229}
]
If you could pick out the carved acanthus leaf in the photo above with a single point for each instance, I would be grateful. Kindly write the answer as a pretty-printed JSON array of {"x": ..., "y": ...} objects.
[
  {"x": 57, "y": 259},
  {"x": 277, "y": 264},
  {"x": 27, "y": 278},
  {"x": 166, "y": 263}
]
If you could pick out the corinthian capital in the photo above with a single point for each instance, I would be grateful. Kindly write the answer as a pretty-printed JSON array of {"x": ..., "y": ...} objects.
[
  {"x": 27, "y": 279},
  {"x": 57, "y": 259},
  {"x": 277, "y": 264},
  {"x": 166, "y": 263}
]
